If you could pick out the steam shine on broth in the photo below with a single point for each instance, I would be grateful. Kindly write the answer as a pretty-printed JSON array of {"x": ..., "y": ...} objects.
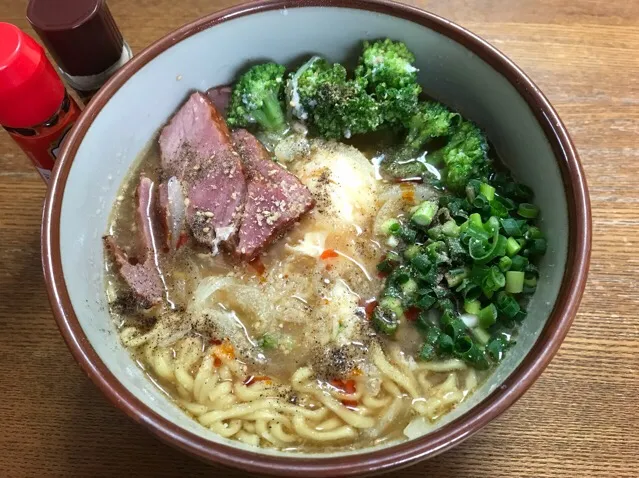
[{"x": 308, "y": 296}]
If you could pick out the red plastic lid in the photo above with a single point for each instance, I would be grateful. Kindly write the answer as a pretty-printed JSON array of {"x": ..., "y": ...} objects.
[{"x": 31, "y": 91}]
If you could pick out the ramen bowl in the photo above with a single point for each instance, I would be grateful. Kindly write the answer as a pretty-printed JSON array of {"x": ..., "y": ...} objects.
[{"x": 456, "y": 67}]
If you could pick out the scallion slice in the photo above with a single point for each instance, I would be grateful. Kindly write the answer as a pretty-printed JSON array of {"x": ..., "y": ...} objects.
[
  {"x": 514, "y": 281},
  {"x": 527, "y": 210},
  {"x": 487, "y": 316}
]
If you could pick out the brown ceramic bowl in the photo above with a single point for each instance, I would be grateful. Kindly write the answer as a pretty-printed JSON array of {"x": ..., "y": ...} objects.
[{"x": 456, "y": 67}]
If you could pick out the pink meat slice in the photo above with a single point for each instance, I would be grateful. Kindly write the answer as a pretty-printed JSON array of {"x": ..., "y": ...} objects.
[
  {"x": 220, "y": 96},
  {"x": 276, "y": 199},
  {"x": 197, "y": 149},
  {"x": 141, "y": 274}
]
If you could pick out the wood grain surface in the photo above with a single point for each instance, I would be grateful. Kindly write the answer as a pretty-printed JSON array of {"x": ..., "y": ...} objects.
[{"x": 581, "y": 418}]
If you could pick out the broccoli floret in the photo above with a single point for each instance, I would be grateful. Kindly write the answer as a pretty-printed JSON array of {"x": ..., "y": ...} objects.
[
  {"x": 257, "y": 98},
  {"x": 321, "y": 94},
  {"x": 430, "y": 120},
  {"x": 465, "y": 156},
  {"x": 302, "y": 86},
  {"x": 386, "y": 71}
]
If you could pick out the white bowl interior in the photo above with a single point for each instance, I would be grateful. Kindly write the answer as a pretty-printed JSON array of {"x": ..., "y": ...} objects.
[{"x": 131, "y": 118}]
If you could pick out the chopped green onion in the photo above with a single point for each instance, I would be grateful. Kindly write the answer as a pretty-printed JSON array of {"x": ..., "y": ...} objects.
[
  {"x": 534, "y": 232},
  {"x": 494, "y": 279},
  {"x": 480, "y": 202},
  {"x": 432, "y": 335},
  {"x": 538, "y": 247},
  {"x": 452, "y": 326},
  {"x": 475, "y": 220},
  {"x": 424, "y": 213},
  {"x": 500, "y": 248},
  {"x": 386, "y": 315},
  {"x": 427, "y": 352},
  {"x": 409, "y": 287},
  {"x": 411, "y": 251},
  {"x": 530, "y": 280},
  {"x": 498, "y": 209},
  {"x": 487, "y": 316},
  {"x": 471, "y": 291},
  {"x": 492, "y": 225},
  {"x": 385, "y": 266},
  {"x": 392, "y": 304},
  {"x": 450, "y": 228},
  {"x": 267, "y": 341},
  {"x": 472, "y": 189},
  {"x": 463, "y": 345},
  {"x": 456, "y": 251},
  {"x": 446, "y": 306},
  {"x": 391, "y": 226},
  {"x": 436, "y": 233},
  {"x": 512, "y": 246},
  {"x": 401, "y": 276},
  {"x": 496, "y": 349},
  {"x": 472, "y": 306},
  {"x": 393, "y": 256},
  {"x": 531, "y": 269},
  {"x": 512, "y": 227},
  {"x": 482, "y": 250},
  {"x": 527, "y": 210},
  {"x": 487, "y": 190},
  {"x": 422, "y": 323},
  {"x": 514, "y": 282},
  {"x": 523, "y": 192},
  {"x": 455, "y": 276},
  {"x": 445, "y": 344},
  {"x": 421, "y": 262},
  {"x": 507, "y": 305},
  {"x": 509, "y": 204},
  {"x": 504, "y": 263},
  {"x": 519, "y": 263},
  {"x": 481, "y": 335},
  {"x": 407, "y": 234},
  {"x": 470, "y": 353}
]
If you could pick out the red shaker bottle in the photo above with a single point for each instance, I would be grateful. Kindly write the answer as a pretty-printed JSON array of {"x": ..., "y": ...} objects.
[{"x": 35, "y": 108}]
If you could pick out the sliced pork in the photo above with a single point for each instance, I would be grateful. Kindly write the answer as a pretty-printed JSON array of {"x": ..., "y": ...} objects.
[
  {"x": 196, "y": 148},
  {"x": 142, "y": 273},
  {"x": 220, "y": 96},
  {"x": 275, "y": 198}
]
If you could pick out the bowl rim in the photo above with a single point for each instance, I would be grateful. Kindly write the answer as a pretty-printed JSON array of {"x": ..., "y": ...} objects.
[{"x": 378, "y": 460}]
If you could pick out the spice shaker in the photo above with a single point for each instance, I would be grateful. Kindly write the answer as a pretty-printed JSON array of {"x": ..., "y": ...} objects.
[
  {"x": 83, "y": 39},
  {"x": 35, "y": 108}
]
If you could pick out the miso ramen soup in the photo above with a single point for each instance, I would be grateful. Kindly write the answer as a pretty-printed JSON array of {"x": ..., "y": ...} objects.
[{"x": 319, "y": 259}]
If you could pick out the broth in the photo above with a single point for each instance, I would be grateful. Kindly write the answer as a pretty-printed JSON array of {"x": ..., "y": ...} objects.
[{"x": 280, "y": 352}]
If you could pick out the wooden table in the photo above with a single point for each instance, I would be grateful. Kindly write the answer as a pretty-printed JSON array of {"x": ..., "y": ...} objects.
[{"x": 581, "y": 418}]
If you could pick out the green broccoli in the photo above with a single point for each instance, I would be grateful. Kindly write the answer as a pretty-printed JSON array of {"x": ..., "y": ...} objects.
[
  {"x": 386, "y": 71},
  {"x": 430, "y": 120},
  {"x": 336, "y": 107},
  {"x": 465, "y": 156},
  {"x": 257, "y": 98}
]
